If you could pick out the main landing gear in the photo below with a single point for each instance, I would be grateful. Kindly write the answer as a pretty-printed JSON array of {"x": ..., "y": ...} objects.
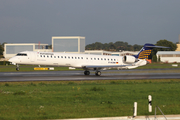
[
  {"x": 86, "y": 72},
  {"x": 97, "y": 73}
]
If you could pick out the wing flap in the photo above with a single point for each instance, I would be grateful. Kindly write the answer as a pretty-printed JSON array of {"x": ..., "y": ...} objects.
[{"x": 105, "y": 66}]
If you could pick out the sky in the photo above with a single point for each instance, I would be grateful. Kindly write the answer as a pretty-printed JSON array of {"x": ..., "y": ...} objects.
[{"x": 132, "y": 21}]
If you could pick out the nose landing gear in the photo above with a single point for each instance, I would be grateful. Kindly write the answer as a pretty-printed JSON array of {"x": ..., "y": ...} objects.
[{"x": 17, "y": 68}]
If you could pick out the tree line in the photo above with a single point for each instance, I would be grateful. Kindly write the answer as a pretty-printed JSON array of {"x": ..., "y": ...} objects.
[
  {"x": 124, "y": 46},
  {"x": 117, "y": 46},
  {"x": 1, "y": 50}
]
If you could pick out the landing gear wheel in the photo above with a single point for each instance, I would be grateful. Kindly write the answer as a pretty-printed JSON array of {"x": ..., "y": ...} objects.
[
  {"x": 17, "y": 69},
  {"x": 97, "y": 73},
  {"x": 86, "y": 73}
]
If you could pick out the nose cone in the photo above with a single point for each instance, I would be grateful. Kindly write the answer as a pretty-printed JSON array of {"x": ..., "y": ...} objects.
[{"x": 13, "y": 60}]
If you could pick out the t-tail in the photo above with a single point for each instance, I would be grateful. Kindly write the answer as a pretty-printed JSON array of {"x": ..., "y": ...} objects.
[{"x": 145, "y": 52}]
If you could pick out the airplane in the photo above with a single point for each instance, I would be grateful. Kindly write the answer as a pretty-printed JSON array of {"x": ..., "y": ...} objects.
[{"x": 85, "y": 61}]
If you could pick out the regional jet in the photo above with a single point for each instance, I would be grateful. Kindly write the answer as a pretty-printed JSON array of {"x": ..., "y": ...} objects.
[{"x": 85, "y": 61}]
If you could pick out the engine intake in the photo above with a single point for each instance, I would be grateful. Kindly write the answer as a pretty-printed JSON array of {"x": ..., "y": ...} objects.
[{"x": 129, "y": 59}]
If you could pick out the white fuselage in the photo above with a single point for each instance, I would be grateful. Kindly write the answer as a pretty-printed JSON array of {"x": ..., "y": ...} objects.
[
  {"x": 65, "y": 59},
  {"x": 84, "y": 61},
  {"x": 70, "y": 60}
]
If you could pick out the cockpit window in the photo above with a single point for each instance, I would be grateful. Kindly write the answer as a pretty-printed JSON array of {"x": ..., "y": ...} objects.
[{"x": 21, "y": 54}]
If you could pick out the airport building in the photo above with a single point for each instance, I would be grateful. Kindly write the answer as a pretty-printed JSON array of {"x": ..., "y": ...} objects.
[
  {"x": 169, "y": 56},
  {"x": 123, "y": 53},
  {"x": 69, "y": 44},
  {"x": 11, "y": 49},
  {"x": 98, "y": 52},
  {"x": 102, "y": 52}
]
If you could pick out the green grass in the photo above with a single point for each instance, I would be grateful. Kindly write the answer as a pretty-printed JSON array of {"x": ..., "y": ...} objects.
[
  {"x": 158, "y": 66},
  {"x": 84, "y": 99}
]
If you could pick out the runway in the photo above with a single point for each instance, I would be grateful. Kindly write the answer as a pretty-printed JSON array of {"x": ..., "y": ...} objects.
[{"x": 79, "y": 75}]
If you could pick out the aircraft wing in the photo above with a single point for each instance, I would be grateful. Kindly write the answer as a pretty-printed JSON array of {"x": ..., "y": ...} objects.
[
  {"x": 139, "y": 63},
  {"x": 105, "y": 66}
]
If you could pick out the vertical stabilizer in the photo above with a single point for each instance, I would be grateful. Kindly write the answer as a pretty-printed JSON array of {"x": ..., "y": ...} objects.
[{"x": 145, "y": 52}]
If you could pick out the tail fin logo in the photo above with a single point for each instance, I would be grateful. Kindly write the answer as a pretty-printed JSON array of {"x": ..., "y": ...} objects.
[
  {"x": 146, "y": 51},
  {"x": 144, "y": 54}
]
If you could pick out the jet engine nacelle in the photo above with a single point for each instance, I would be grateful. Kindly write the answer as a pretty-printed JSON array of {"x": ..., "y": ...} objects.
[{"x": 129, "y": 59}]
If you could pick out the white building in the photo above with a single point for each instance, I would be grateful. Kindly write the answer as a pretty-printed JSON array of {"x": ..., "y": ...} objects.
[
  {"x": 11, "y": 49},
  {"x": 70, "y": 44},
  {"x": 98, "y": 52},
  {"x": 123, "y": 53},
  {"x": 169, "y": 56}
]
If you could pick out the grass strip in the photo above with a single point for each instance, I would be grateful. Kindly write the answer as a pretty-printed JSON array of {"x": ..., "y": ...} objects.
[{"x": 84, "y": 99}]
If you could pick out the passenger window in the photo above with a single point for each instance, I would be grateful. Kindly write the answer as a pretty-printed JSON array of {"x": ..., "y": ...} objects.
[
  {"x": 64, "y": 56},
  {"x": 101, "y": 58},
  {"x": 51, "y": 56},
  {"x": 72, "y": 57},
  {"x": 91, "y": 58},
  {"x": 81, "y": 57},
  {"x": 114, "y": 59},
  {"x": 61, "y": 56},
  {"x": 94, "y": 58},
  {"x": 104, "y": 58},
  {"x": 68, "y": 57},
  {"x": 54, "y": 56},
  {"x": 98, "y": 58},
  {"x": 75, "y": 58},
  {"x": 111, "y": 59},
  {"x": 44, "y": 56},
  {"x": 78, "y": 57},
  {"x": 86, "y": 58}
]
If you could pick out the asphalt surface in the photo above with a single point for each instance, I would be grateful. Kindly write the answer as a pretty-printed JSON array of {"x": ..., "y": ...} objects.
[{"x": 79, "y": 75}]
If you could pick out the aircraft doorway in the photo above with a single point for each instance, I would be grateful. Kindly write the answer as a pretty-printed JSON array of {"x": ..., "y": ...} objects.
[{"x": 32, "y": 56}]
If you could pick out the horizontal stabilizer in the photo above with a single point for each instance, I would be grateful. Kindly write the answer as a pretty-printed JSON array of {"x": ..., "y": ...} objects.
[{"x": 157, "y": 47}]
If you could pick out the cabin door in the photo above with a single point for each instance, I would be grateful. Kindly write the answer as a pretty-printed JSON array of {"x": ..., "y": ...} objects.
[{"x": 32, "y": 58}]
